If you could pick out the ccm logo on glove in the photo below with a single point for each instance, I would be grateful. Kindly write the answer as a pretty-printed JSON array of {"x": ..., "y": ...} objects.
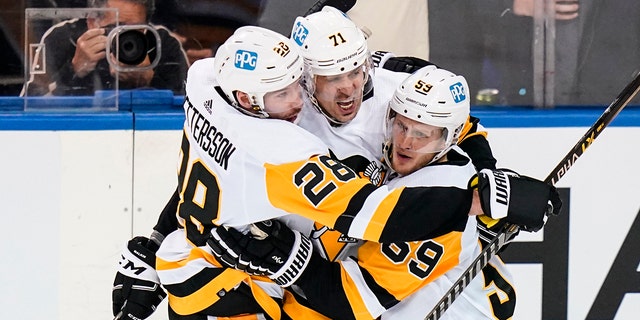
[
  {"x": 127, "y": 264},
  {"x": 136, "y": 264}
]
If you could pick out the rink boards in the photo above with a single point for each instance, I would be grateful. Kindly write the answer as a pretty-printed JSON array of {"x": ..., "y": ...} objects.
[{"x": 75, "y": 187}]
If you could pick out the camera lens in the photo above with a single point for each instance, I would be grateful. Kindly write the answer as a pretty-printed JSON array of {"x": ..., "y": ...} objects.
[{"x": 132, "y": 47}]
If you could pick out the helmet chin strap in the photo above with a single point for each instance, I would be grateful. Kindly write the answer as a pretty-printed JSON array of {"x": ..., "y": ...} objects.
[
  {"x": 333, "y": 121},
  {"x": 439, "y": 155},
  {"x": 386, "y": 159}
]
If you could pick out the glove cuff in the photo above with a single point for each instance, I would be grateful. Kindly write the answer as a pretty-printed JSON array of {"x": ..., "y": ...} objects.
[
  {"x": 381, "y": 57},
  {"x": 295, "y": 265},
  {"x": 138, "y": 262},
  {"x": 157, "y": 238},
  {"x": 499, "y": 189}
]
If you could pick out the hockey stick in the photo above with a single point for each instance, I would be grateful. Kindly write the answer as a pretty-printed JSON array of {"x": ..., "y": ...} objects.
[
  {"x": 342, "y": 5},
  {"x": 621, "y": 101}
]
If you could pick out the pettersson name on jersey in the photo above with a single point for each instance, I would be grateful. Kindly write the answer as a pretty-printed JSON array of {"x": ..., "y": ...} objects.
[{"x": 209, "y": 138}]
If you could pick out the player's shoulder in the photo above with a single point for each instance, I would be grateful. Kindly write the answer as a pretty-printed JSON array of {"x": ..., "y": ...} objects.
[
  {"x": 201, "y": 76},
  {"x": 279, "y": 141},
  {"x": 200, "y": 66}
]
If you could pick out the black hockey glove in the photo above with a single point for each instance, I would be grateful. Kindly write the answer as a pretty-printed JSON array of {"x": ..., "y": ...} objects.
[
  {"x": 136, "y": 288},
  {"x": 227, "y": 244},
  {"x": 270, "y": 249},
  {"x": 520, "y": 200},
  {"x": 389, "y": 61}
]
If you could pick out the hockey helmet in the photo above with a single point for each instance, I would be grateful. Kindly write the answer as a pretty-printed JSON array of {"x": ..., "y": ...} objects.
[
  {"x": 434, "y": 97},
  {"x": 330, "y": 42},
  {"x": 332, "y": 45},
  {"x": 256, "y": 61}
]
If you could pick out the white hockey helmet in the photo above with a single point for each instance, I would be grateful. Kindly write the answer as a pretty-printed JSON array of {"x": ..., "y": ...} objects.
[
  {"x": 435, "y": 97},
  {"x": 331, "y": 45},
  {"x": 256, "y": 61},
  {"x": 330, "y": 42}
]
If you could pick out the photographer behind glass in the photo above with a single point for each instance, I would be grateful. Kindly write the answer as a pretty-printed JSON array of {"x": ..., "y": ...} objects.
[{"x": 85, "y": 55}]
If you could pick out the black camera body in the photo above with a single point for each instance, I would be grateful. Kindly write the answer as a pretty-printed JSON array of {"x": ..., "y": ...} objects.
[{"x": 131, "y": 44}]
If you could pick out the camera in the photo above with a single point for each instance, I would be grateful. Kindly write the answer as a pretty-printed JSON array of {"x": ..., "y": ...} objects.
[{"x": 130, "y": 45}]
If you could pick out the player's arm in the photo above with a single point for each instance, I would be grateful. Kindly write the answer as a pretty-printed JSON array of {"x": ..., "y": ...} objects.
[
  {"x": 327, "y": 191},
  {"x": 167, "y": 221},
  {"x": 347, "y": 289},
  {"x": 391, "y": 62},
  {"x": 473, "y": 140},
  {"x": 136, "y": 287},
  {"x": 287, "y": 257}
]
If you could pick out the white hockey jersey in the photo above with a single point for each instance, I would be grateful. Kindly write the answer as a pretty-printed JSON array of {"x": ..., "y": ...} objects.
[
  {"x": 372, "y": 285},
  {"x": 385, "y": 277},
  {"x": 235, "y": 170},
  {"x": 358, "y": 145},
  {"x": 490, "y": 295}
]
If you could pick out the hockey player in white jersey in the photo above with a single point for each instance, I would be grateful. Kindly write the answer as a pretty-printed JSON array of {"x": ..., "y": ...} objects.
[
  {"x": 349, "y": 91},
  {"x": 350, "y": 126},
  {"x": 358, "y": 145},
  {"x": 241, "y": 163},
  {"x": 224, "y": 151},
  {"x": 348, "y": 97},
  {"x": 403, "y": 280}
]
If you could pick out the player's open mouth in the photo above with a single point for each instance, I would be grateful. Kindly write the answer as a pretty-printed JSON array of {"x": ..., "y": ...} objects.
[
  {"x": 400, "y": 155},
  {"x": 345, "y": 105},
  {"x": 291, "y": 119}
]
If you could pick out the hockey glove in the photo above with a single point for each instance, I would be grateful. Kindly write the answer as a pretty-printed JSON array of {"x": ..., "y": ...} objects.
[
  {"x": 520, "y": 200},
  {"x": 389, "y": 61},
  {"x": 136, "y": 288},
  {"x": 270, "y": 249},
  {"x": 227, "y": 244}
]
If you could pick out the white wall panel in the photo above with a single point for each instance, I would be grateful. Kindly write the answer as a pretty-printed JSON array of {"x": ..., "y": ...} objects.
[{"x": 71, "y": 200}]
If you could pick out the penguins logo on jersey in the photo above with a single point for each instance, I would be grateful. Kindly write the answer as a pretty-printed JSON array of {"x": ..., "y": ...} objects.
[
  {"x": 366, "y": 169},
  {"x": 330, "y": 243},
  {"x": 375, "y": 173}
]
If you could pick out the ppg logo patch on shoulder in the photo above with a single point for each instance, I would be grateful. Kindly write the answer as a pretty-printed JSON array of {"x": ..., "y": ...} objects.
[
  {"x": 300, "y": 33},
  {"x": 457, "y": 92},
  {"x": 246, "y": 60}
]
